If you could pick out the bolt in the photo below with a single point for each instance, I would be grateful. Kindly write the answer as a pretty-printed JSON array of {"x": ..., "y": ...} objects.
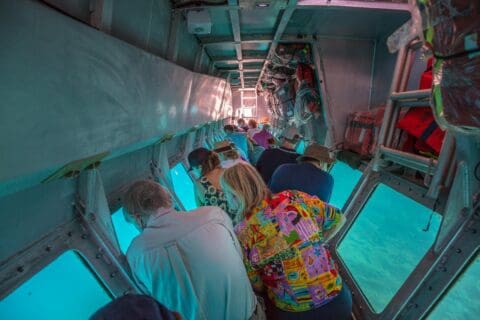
[
  {"x": 459, "y": 250},
  {"x": 98, "y": 256},
  {"x": 113, "y": 274},
  {"x": 69, "y": 233},
  {"x": 430, "y": 288},
  {"x": 20, "y": 269},
  {"x": 84, "y": 236},
  {"x": 48, "y": 248},
  {"x": 474, "y": 231}
]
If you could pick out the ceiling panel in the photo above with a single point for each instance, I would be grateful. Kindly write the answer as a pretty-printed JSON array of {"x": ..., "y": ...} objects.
[
  {"x": 221, "y": 50},
  {"x": 346, "y": 22},
  {"x": 255, "y": 46},
  {"x": 259, "y": 20}
]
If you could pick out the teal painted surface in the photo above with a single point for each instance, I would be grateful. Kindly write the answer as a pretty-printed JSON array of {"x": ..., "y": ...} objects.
[
  {"x": 345, "y": 179},
  {"x": 386, "y": 242},
  {"x": 461, "y": 302},
  {"x": 65, "y": 289},
  {"x": 183, "y": 186},
  {"x": 125, "y": 231}
]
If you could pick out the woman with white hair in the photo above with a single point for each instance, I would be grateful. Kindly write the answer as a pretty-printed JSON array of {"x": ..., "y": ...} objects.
[{"x": 283, "y": 240}]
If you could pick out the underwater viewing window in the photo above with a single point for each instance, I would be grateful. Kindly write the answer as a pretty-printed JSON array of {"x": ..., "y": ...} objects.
[
  {"x": 125, "y": 231},
  {"x": 461, "y": 301},
  {"x": 300, "y": 147},
  {"x": 386, "y": 242},
  {"x": 65, "y": 289},
  {"x": 345, "y": 179},
  {"x": 183, "y": 186}
]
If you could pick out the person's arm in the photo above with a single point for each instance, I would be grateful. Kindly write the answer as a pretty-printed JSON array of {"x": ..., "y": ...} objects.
[
  {"x": 329, "y": 219},
  {"x": 199, "y": 194}
]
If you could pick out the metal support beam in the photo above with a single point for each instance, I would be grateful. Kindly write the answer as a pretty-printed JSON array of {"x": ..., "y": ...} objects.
[
  {"x": 173, "y": 36},
  {"x": 101, "y": 14},
  {"x": 287, "y": 14},
  {"x": 198, "y": 59},
  {"x": 235, "y": 22}
]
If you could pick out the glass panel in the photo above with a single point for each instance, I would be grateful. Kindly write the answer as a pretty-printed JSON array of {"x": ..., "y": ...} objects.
[
  {"x": 65, "y": 289},
  {"x": 345, "y": 179},
  {"x": 125, "y": 231},
  {"x": 183, "y": 186},
  {"x": 461, "y": 301},
  {"x": 386, "y": 242}
]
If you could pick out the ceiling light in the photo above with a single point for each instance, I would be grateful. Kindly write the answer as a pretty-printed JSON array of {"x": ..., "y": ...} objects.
[{"x": 262, "y": 4}]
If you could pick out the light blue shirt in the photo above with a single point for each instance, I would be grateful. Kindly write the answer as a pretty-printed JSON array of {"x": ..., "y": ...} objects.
[{"x": 192, "y": 263}]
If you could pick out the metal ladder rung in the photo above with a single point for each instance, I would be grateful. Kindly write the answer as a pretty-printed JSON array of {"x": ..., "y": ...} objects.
[
  {"x": 413, "y": 161},
  {"x": 411, "y": 95}
]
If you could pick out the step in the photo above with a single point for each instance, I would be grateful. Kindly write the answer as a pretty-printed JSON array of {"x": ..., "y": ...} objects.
[
  {"x": 412, "y": 98},
  {"x": 410, "y": 160}
]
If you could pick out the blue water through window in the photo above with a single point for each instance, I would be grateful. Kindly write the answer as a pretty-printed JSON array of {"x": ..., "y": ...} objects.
[
  {"x": 300, "y": 147},
  {"x": 125, "y": 231},
  {"x": 461, "y": 301},
  {"x": 65, "y": 289},
  {"x": 345, "y": 179},
  {"x": 183, "y": 186},
  {"x": 386, "y": 242}
]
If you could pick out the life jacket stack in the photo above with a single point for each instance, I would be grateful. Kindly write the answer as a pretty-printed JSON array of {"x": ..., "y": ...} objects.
[{"x": 424, "y": 134}]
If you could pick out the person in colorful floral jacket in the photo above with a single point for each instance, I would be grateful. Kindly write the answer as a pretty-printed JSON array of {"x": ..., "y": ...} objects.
[{"x": 283, "y": 239}]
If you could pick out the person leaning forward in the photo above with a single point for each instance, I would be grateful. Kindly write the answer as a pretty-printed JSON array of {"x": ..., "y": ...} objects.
[{"x": 189, "y": 261}]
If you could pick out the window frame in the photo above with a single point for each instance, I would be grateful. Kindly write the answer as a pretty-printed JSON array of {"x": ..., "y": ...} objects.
[{"x": 354, "y": 205}]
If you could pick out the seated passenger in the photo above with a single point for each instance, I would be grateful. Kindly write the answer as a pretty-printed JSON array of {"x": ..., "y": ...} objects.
[
  {"x": 242, "y": 126},
  {"x": 132, "y": 306},
  {"x": 190, "y": 262},
  {"x": 283, "y": 239},
  {"x": 207, "y": 169},
  {"x": 306, "y": 176},
  {"x": 252, "y": 128},
  {"x": 254, "y": 151},
  {"x": 271, "y": 159},
  {"x": 229, "y": 155},
  {"x": 238, "y": 138},
  {"x": 264, "y": 137}
]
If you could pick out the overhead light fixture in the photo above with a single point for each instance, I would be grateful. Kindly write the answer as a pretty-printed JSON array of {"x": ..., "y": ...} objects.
[{"x": 262, "y": 4}]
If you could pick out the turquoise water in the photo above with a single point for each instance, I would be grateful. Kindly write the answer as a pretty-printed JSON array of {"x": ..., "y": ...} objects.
[
  {"x": 345, "y": 179},
  {"x": 461, "y": 301},
  {"x": 183, "y": 186},
  {"x": 386, "y": 242},
  {"x": 65, "y": 289},
  {"x": 125, "y": 231}
]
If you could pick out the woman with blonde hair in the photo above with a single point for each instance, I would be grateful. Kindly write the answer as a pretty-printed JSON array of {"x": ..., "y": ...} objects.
[
  {"x": 206, "y": 167},
  {"x": 283, "y": 239}
]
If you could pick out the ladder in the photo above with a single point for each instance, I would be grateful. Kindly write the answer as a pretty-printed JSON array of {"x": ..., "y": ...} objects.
[{"x": 436, "y": 171}]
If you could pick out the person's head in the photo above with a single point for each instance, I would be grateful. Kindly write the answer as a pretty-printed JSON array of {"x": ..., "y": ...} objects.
[
  {"x": 266, "y": 127},
  {"x": 244, "y": 188},
  {"x": 317, "y": 155},
  {"x": 143, "y": 199},
  {"x": 226, "y": 150},
  {"x": 229, "y": 128},
  {"x": 252, "y": 124},
  {"x": 241, "y": 122},
  {"x": 290, "y": 137},
  {"x": 202, "y": 161}
]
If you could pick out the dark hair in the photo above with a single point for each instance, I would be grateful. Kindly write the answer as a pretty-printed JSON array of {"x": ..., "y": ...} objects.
[
  {"x": 252, "y": 123},
  {"x": 229, "y": 128},
  {"x": 208, "y": 159}
]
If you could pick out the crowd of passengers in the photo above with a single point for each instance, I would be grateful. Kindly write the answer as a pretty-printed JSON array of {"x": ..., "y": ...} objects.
[{"x": 256, "y": 246}]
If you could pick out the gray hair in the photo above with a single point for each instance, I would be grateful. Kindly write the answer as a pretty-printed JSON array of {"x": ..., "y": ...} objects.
[{"x": 145, "y": 197}]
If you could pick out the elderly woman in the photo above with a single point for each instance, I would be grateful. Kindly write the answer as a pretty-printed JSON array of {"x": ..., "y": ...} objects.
[
  {"x": 283, "y": 239},
  {"x": 207, "y": 169}
]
